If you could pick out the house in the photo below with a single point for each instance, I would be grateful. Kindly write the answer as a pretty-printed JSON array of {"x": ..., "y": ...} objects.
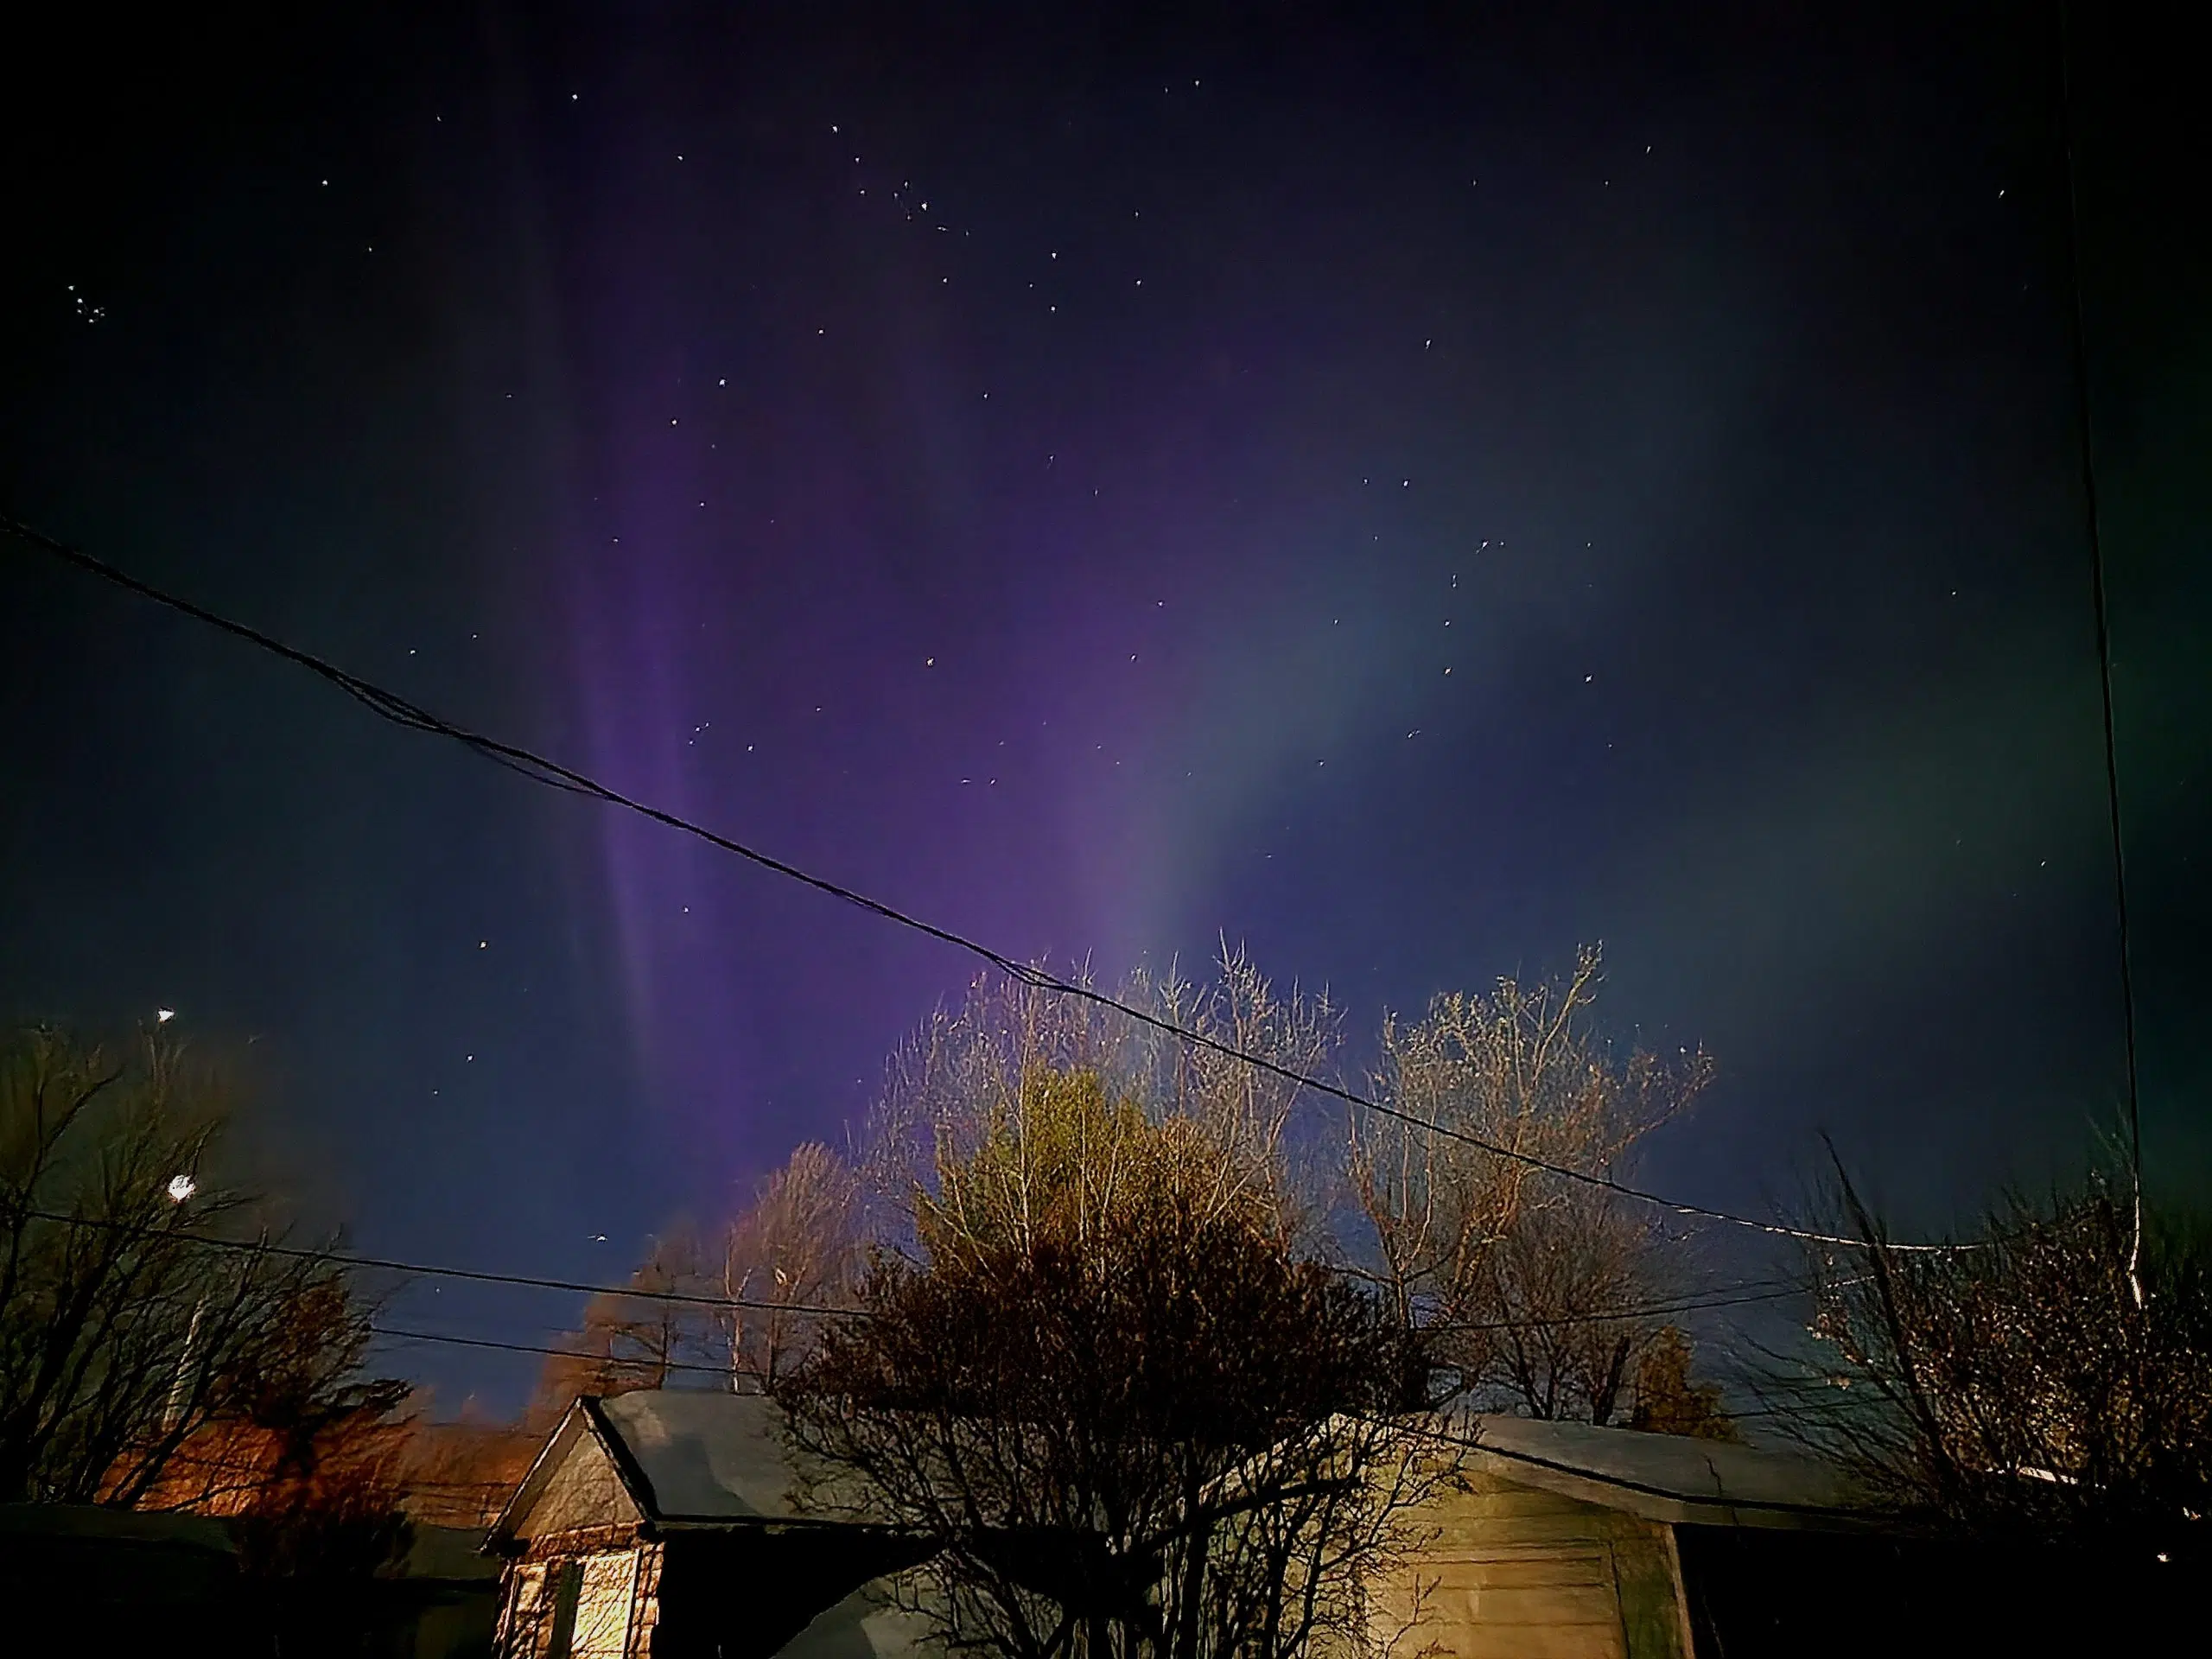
[
  {"x": 1568, "y": 1540},
  {"x": 1571, "y": 1541},
  {"x": 667, "y": 1523}
]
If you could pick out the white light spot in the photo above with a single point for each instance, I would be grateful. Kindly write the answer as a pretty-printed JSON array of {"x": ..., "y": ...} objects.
[
  {"x": 162, "y": 1016},
  {"x": 180, "y": 1188}
]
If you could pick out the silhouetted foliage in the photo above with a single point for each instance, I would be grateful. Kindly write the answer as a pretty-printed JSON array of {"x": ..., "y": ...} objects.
[
  {"x": 2019, "y": 1386},
  {"x": 146, "y": 1322},
  {"x": 1132, "y": 1419},
  {"x": 1668, "y": 1400}
]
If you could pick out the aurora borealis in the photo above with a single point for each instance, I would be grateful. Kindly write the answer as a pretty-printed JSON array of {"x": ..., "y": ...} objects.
[{"x": 1405, "y": 499}]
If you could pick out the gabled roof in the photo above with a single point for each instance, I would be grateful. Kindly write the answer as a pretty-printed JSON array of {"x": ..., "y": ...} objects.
[
  {"x": 660, "y": 1457},
  {"x": 1668, "y": 1478},
  {"x": 700, "y": 1456}
]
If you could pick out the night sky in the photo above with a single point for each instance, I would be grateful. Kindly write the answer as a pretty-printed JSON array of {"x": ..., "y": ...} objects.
[{"x": 1407, "y": 492}]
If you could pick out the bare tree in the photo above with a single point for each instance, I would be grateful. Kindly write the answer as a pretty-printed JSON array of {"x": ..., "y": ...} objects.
[
  {"x": 1131, "y": 1417},
  {"x": 736, "y": 1313},
  {"x": 643, "y": 1338},
  {"x": 460, "y": 1472},
  {"x": 1561, "y": 1294},
  {"x": 798, "y": 1247},
  {"x": 1529, "y": 1285},
  {"x": 2015, "y": 1385},
  {"x": 145, "y": 1307},
  {"x": 951, "y": 1084}
]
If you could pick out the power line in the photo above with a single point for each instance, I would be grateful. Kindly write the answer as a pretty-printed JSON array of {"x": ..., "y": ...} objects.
[
  {"x": 478, "y": 1275},
  {"x": 1761, "y": 1290},
  {"x": 412, "y": 716},
  {"x": 2078, "y": 336},
  {"x": 457, "y": 1341},
  {"x": 1659, "y": 1311}
]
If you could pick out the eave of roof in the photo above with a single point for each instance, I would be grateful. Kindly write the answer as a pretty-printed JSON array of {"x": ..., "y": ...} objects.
[
  {"x": 501, "y": 1538},
  {"x": 1650, "y": 1476}
]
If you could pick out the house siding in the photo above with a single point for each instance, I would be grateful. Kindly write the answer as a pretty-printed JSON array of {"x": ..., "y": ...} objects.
[{"x": 1513, "y": 1573}]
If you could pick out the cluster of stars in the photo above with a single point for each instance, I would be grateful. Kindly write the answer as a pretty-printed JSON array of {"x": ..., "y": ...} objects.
[{"x": 913, "y": 207}]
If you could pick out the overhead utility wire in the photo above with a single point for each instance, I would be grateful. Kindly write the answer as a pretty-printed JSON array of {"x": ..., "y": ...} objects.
[
  {"x": 1658, "y": 1311},
  {"x": 477, "y": 1275},
  {"x": 645, "y": 1362},
  {"x": 396, "y": 1334},
  {"x": 456, "y": 1339},
  {"x": 413, "y": 716},
  {"x": 2079, "y": 339},
  {"x": 1765, "y": 1290}
]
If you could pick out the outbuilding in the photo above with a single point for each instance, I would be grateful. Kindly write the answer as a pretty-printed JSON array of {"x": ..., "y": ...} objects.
[{"x": 1572, "y": 1542}]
